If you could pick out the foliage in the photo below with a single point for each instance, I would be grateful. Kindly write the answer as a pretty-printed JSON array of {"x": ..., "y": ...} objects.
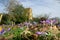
[
  {"x": 16, "y": 15},
  {"x": 6, "y": 19}
]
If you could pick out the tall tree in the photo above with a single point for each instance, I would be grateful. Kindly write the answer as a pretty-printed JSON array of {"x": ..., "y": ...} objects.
[
  {"x": 11, "y": 5},
  {"x": 17, "y": 11}
]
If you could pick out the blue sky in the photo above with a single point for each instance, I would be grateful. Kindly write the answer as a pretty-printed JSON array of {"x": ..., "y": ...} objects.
[
  {"x": 51, "y": 7},
  {"x": 2, "y": 5}
]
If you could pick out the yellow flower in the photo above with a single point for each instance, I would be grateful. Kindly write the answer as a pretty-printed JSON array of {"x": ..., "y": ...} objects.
[{"x": 0, "y": 29}]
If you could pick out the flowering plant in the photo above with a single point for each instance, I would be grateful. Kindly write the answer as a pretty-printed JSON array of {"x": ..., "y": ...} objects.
[
  {"x": 41, "y": 33},
  {"x": 1, "y": 30},
  {"x": 49, "y": 21}
]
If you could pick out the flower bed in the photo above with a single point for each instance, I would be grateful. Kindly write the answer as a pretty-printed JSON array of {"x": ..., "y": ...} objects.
[{"x": 27, "y": 33}]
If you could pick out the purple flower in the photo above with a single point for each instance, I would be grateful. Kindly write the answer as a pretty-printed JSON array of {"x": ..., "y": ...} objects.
[
  {"x": 2, "y": 31},
  {"x": 51, "y": 21},
  {"x": 9, "y": 29},
  {"x": 41, "y": 33},
  {"x": 44, "y": 33},
  {"x": 42, "y": 21},
  {"x": 54, "y": 21},
  {"x": 48, "y": 21},
  {"x": 38, "y": 33},
  {"x": 58, "y": 24},
  {"x": 26, "y": 23}
]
